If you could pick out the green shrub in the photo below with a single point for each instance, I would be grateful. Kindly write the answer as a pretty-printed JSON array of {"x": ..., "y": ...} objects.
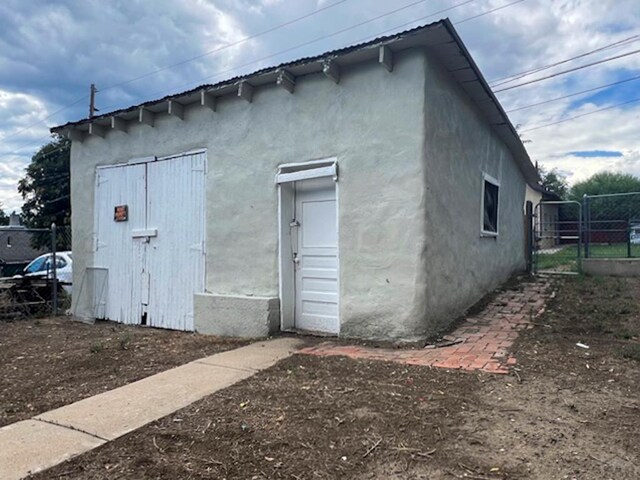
[{"x": 125, "y": 340}]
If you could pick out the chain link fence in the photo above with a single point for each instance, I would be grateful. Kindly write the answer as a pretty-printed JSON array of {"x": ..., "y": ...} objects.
[
  {"x": 601, "y": 226},
  {"x": 612, "y": 226},
  {"x": 557, "y": 227},
  {"x": 35, "y": 271}
]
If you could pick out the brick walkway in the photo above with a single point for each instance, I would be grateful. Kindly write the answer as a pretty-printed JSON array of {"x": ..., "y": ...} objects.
[{"x": 481, "y": 343}]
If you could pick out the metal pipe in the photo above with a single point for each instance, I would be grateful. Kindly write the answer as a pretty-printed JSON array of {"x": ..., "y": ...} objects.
[
  {"x": 611, "y": 195},
  {"x": 587, "y": 226},
  {"x": 54, "y": 268}
]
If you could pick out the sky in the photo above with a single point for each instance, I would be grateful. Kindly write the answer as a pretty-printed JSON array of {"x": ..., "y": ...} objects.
[{"x": 51, "y": 51}]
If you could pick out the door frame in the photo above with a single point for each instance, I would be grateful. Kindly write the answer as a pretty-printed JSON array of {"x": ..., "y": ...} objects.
[{"x": 286, "y": 178}]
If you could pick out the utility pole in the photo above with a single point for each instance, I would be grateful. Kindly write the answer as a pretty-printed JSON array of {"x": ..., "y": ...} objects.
[{"x": 92, "y": 101}]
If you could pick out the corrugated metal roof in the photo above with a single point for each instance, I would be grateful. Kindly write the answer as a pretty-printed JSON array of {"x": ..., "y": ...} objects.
[{"x": 440, "y": 38}]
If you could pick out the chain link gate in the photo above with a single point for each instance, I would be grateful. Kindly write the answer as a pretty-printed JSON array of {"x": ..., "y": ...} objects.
[{"x": 557, "y": 237}]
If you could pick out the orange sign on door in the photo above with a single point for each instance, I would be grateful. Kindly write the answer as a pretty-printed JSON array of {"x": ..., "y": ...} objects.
[{"x": 121, "y": 213}]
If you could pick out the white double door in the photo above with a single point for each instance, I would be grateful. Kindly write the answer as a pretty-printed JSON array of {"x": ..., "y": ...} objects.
[
  {"x": 315, "y": 251},
  {"x": 155, "y": 259}
]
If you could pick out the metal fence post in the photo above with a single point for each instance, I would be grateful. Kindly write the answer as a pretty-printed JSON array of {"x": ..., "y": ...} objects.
[
  {"x": 54, "y": 280},
  {"x": 587, "y": 228},
  {"x": 530, "y": 237},
  {"x": 580, "y": 226}
]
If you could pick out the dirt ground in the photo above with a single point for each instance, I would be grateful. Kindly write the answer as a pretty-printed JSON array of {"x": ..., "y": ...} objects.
[
  {"x": 566, "y": 413},
  {"x": 47, "y": 363}
]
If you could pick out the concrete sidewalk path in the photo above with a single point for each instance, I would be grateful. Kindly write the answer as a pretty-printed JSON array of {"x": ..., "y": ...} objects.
[{"x": 34, "y": 445}]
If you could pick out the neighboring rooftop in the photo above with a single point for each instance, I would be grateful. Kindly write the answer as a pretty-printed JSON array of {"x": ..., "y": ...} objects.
[
  {"x": 547, "y": 194},
  {"x": 440, "y": 38},
  {"x": 14, "y": 223},
  {"x": 16, "y": 246},
  {"x": 16, "y": 242}
]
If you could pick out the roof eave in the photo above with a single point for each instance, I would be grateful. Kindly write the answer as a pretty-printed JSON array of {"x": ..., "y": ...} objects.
[
  {"x": 502, "y": 126},
  {"x": 515, "y": 143}
]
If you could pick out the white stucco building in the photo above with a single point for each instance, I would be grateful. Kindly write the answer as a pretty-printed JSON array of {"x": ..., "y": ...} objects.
[{"x": 373, "y": 192}]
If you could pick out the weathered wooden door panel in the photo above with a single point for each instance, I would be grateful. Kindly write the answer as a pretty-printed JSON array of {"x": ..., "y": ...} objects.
[
  {"x": 115, "y": 249},
  {"x": 155, "y": 259},
  {"x": 175, "y": 257}
]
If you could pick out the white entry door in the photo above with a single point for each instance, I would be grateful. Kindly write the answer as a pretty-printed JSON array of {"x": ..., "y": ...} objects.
[
  {"x": 155, "y": 257},
  {"x": 316, "y": 256}
]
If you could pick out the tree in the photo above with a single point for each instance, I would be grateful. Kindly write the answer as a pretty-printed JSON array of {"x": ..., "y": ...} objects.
[
  {"x": 45, "y": 187},
  {"x": 554, "y": 181},
  {"x": 605, "y": 183},
  {"x": 4, "y": 218},
  {"x": 610, "y": 208}
]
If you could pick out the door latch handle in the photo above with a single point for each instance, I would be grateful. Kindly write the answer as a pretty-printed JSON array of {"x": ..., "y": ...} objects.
[{"x": 296, "y": 259}]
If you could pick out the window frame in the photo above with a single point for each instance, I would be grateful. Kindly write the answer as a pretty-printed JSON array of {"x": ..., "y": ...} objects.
[{"x": 486, "y": 178}]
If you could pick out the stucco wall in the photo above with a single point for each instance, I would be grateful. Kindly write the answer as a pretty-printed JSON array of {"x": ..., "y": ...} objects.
[
  {"x": 532, "y": 196},
  {"x": 371, "y": 121},
  {"x": 546, "y": 219},
  {"x": 460, "y": 265}
]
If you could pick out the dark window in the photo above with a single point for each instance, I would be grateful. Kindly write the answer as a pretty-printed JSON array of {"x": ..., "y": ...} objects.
[{"x": 490, "y": 214}]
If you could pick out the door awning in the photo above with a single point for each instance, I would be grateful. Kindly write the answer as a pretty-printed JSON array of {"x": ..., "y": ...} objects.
[{"x": 294, "y": 172}]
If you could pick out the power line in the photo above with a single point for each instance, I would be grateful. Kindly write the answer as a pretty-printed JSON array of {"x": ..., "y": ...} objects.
[
  {"x": 488, "y": 12},
  {"x": 324, "y": 37},
  {"x": 29, "y": 127},
  {"x": 574, "y": 94},
  {"x": 31, "y": 144},
  {"x": 333, "y": 34},
  {"x": 516, "y": 76},
  {"x": 608, "y": 59},
  {"x": 275, "y": 54},
  {"x": 582, "y": 115},
  {"x": 228, "y": 45},
  {"x": 50, "y": 180},
  {"x": 378, "y": 34},
  {"x": 264, "y": 32},
  {"x": 182, "y": 62}
]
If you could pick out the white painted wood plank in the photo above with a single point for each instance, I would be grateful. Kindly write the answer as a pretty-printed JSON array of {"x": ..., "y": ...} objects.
[
  {"x": 330, "y": 171},
  {"x": 385, "y": 57},
  {"x": 176, "y": 268},
  {"x": 115, "y": 249}
]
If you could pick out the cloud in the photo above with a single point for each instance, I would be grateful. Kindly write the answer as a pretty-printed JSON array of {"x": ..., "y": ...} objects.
[
  {"x": 612, "y": 130},
  {"x": 534, "y": 34},
  {"x": 18, "y": 111},
  {"x": 50, "y": 52}
]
